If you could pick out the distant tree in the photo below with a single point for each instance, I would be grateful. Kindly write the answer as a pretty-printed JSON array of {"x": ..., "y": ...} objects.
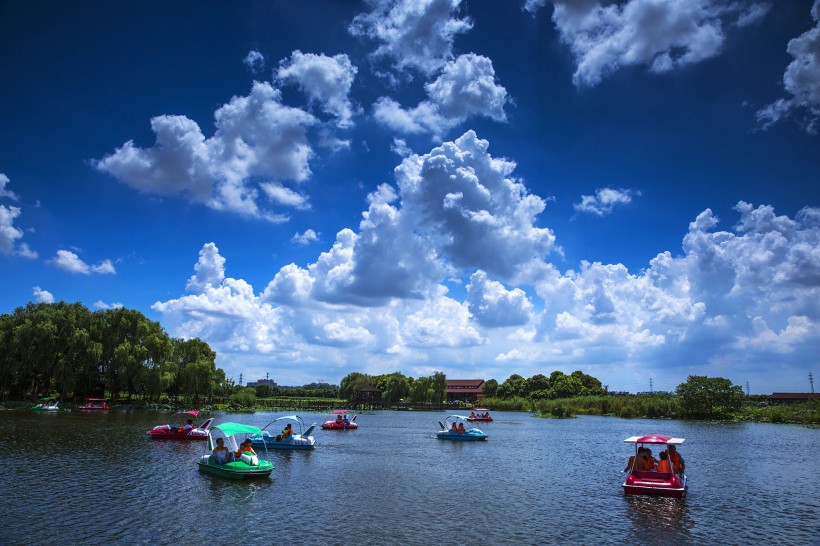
[
  {"x": 244, "y": 399},
  {"x": 709, "y": 397},
  {"x": 439, "y": 387},
  {"x": 264, "y": 391},
  {"x": 490, "y": 387},
  {"x": 515, "y": 385},
  {"x": 349, "y": 383}
]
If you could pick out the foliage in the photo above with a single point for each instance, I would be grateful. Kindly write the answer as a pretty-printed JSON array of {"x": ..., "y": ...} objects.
[
  {"x": 396, "y": 386},
  {"x": 243, "y": 400},
  {"x": 66, "y": 349},
  {"x": 508, "y": 404},
  {"x": 709, "y": 397},
  {"x": 557, "y": 385}
]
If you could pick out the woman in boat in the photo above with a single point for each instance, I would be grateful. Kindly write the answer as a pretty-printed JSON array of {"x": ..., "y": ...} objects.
[
  {"x": 644, "y": 462},
  {"x": 220, "y": 452}
]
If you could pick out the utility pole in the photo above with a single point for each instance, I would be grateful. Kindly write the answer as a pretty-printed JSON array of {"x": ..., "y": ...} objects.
[
  {"x": 811, "y": 382},
  {"x": 650, "y": 386},
  {"x": 747, "y": 388},
  {"x": 240, "y": 380}
]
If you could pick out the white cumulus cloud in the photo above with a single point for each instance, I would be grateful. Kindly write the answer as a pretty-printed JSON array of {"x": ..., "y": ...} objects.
[
  {"x": 258, "y": 145},
  {"x": 325, "y": 80},
  {"x": 415, "y": 34},
  {"x": 801, "y": 81},
  {"x": 42, "y": 296},
  {"x": 466, "y": 87},
  {"x": 664, "y": 35},
  {"x": 10, "y": 235},
  {"x": 604, "y": 200},
  {"x": 71, "y": 262}
]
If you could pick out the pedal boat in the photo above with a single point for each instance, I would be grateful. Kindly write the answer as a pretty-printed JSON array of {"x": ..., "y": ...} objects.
[
  {"x": 340, "y": 424},
  {"x": 47, "y": 404},
  {"x": 95, "y": 404},
  {"x": 300, "y": 441},
  {"x": 172, "y": 432},
  {"x": 244, "y": 468},
  {"x": 471, "y": 434},
  {"x": 650, "y": 482},
  {"x": 480, "y": 415}
]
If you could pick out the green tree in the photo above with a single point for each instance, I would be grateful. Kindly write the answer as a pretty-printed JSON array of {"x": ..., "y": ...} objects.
[
  {"x": 439, "y": 387},
  {"x": 350, "y": 382},
  {"x": 515, "y": 385},
  {"x": 490, "y": 387},
  {"x": 395, "y": 389},
  {"x": 709, "y": 397}
]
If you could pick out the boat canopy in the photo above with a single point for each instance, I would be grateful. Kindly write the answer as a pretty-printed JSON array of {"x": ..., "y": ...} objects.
[
  {"x": 193, "y": 413},
  {"x": 285, "y": 417},
  {"x": 480, "y": 409},
  {"x": 96, "y": 399},
  {"x": 340, "y": 412},
  {"x": 655, "y": 439},
  {"x": 229, "y": 429}
]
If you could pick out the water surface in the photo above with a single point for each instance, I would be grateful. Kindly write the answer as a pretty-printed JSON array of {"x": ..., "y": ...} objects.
[{"x": 96, "y": 478}]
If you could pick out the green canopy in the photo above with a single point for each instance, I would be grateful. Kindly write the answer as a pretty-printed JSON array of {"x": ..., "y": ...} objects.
[{"x": 237, "y": 428}]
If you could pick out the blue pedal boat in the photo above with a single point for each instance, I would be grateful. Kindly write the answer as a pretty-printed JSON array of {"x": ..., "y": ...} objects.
[
  {"x": 453, "y": 428},
  {"x": 288, "y": 438}
]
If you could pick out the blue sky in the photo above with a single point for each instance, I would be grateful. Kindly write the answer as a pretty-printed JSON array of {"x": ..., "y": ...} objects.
[{"x": 482, "y": 188}]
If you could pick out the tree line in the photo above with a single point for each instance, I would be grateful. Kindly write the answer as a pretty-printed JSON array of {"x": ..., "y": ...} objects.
[{"x": 68, "y": 350}]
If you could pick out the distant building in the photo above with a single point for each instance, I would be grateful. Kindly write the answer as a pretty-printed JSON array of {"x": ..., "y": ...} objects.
[
  {"x": 465, "y": 390},
  {"x": 366, "y": 394},
  {"x": 268, "y": 382},
  {"x": 789, "y": 397}
]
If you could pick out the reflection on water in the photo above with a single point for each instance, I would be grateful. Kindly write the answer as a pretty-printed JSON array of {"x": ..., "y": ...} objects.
[
  {"x": 99, "y": 479},
  {"x": 658, "y": 520}
]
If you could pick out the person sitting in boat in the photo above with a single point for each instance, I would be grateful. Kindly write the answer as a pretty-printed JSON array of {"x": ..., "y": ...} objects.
[
  {"x": 189, "y": 424},
  {"x": 338, "y": 419},
  {"x": 644, "y": 464},
  {"x": 652, "y": 461},
  {"x": 220, "y": 452},
  {"x": 345, "y": 421},
  {"x": 472, "y": 415},
  {"x": 461, "y": 428},
  {"x": 287, "y": 431},
  {"x": 663, "y": 464},
  {"x": 675, "y": 458},
  {"x": 454, "y": 428},
  {"x": 245, "y": 447}
]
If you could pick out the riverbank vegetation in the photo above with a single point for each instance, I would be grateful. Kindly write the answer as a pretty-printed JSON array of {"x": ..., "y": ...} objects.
[{"x": 68, "y": 351}]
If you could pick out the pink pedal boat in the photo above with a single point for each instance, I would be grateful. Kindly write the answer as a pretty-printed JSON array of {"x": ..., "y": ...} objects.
[{"x": 670, "y": 483}]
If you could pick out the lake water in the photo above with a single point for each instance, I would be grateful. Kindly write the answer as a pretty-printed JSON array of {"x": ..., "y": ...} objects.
[{"x": 96, "y": 478}]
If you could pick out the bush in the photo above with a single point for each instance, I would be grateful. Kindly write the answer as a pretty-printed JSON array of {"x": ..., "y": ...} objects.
[{"x": 244, "y": 399}]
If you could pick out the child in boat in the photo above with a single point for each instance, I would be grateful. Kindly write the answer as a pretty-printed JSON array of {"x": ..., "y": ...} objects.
[
  {"x": 220, "y": 452},
  {"x": 461, "y": 428},
  {"x": 454, "y": 428},
  {"x": 663, "y": 464},
  {"x": 245, "y": 447}
]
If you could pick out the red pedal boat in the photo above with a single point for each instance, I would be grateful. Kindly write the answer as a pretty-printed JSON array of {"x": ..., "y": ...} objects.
[
  {"x": 645, "y": 478},
  {"x": 341, "y": 422},
  {"x": 480, "y": 414},
  {"x": 185, "y": 431},
  {"x": 95, "y": 404}
]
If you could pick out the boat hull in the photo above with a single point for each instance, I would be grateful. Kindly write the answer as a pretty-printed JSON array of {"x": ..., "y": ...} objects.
[
  {"x": 294, "y": 443},
  {"x": 480, "y": 419},
  {"x": 236, "y": 470},
  {"x": 193, "y": 435},
  {"x": 466, "y": 437},
  {"x": 662, "y": 484},
  {"x": 331, "y": 425}
]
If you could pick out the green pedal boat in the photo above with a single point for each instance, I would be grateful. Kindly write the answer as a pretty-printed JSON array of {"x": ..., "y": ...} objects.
[{"x": 224, "y": 462}]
